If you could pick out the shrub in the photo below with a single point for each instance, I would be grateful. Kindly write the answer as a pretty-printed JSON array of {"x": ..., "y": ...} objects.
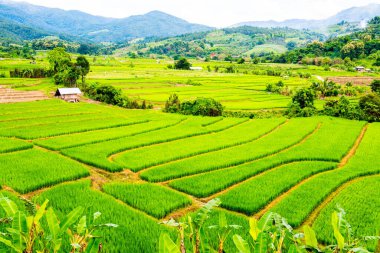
[
  {"x": 173, "y": 104},
  {"x": 113, "y": 96},
  {"x": 240, "y": 61},
  {"x": 271, "y": 233},
  {"x": 302, "y": 104},
  {"x": 304, "y": 98},
  {"x": 182, "y": 64},
  {"x": 30, "y": 73},
  {"x": 375, "y": 86},
  {"x": 203, "y": 107},
  {"x": 370, "y": 105},
  {"x": 342, "y": 108},
  {"x": 199, "y": 106},
  {"x": 38, "y": 229}
]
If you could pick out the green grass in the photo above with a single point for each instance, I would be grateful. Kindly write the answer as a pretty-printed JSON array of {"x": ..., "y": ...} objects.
[
  {"x": 80, "y": 139},
  {"x": 138, "y": 159},
  {"x": 30, "y": 170},
  {"x": 66, "y": 127},
  {"x": 162, "y": 201},
  {"x": 321, "y": 146},
  {"x": 98, "y": 154},
  {"x": 11, "y": 145},
  {"x": 361, "y": 201},
  {"x": 137, "y": 232},
  {"x": 297, "y": 205},
  {"x": 253, "y": 195},
  {"x": 278, "y": 140}
]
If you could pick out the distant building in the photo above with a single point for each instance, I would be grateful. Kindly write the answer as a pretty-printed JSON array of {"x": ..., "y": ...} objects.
[
  {"x": 69, "y": 94},
  {"x": 360, "y": 69},
  {"x": 196, "y": 68}
]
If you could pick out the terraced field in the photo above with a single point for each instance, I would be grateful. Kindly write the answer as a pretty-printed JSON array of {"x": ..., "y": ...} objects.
[{"x": 140, "y": 167}]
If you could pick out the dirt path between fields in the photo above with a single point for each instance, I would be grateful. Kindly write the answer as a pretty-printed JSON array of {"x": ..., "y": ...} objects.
[
  {"x": 229, "y": 147},
  {"x": 344, "y": 161},
  {"x": 314, "y": 215},
  {"x": 266, "y": 171}
]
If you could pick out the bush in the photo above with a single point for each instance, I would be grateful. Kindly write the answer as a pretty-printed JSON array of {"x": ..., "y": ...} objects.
[
  {"x": 173, "y": 104},
  {"x": 182, "y": 64},
  {"x": 240, "y": 61},
  {"x": 304, "y": 98},
  {"x": 375, "y": 86},
  {"x": 302, "y": 104},
  {"x": 203, "y": 107},
  {"x": 30, "y": 73},
  {"x": 199, "y": 106},
  {"x": 342, "y": 108},
  {"x": 113, "y": 96},
  {"x": 370, "y": 105}
]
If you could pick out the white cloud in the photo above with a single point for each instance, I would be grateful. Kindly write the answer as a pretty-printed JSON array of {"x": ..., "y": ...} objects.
[{"x": 211, "y": 12}]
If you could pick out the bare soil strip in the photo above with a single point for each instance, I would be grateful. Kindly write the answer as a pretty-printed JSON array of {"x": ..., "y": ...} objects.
[{"x": 8, "y": 95}]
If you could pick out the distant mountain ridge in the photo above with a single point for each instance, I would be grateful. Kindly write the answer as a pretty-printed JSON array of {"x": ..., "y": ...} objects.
[
  {"x": 53, "y": 21},
  {"x": 354, "y": 14}
]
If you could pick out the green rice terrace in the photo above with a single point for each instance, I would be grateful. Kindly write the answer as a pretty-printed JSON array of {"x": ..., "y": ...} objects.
[{"x": 140, "y": 167}]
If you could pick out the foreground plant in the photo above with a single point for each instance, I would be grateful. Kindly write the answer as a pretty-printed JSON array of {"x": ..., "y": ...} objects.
[
  {"x": 272, "y": 233},
  {"x": 39, "y": 229}
]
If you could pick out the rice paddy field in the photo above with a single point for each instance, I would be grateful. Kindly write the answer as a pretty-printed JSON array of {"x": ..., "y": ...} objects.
[
  {"x": 151, "y": 80},
  {"x": 140, "y": 167}
]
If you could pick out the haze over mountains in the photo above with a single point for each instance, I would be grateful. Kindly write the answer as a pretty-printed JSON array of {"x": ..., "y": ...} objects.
[
  {"x": 22, "y": 21},
  {"x": 352, "y": 15}
]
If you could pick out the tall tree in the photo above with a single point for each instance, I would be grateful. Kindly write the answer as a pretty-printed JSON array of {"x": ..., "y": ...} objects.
[{"x": 83, "y": 66}]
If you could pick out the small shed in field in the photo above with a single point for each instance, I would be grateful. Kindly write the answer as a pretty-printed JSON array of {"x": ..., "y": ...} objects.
[
  {"x": 69, "y": 94},
  {"x": 360, "y": 69}
]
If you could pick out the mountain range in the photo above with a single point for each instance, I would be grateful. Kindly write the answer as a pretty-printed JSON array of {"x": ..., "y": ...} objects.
[
  {"x": 80, "y": 25},
  {"x": 23, "y": 21},
  {"x": 353, "y": 15}
]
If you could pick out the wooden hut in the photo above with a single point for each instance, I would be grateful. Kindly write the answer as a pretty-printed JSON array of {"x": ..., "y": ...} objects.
[{"x": 69, "y": 94}]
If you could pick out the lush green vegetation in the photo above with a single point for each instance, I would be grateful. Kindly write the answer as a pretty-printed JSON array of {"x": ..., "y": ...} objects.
[
  {"x": 30, "y": 170},
  {"x": 280, "y": 139},
  {"x": 204, "y": 156},
  {"x": 308, "y": 195},
  {"x": 358, "y": 200},
  {"x": 320, "y": 146},
  {"x": 162, "y": 201},
  {"x": 139, "y": 230},
  {"x": 249, "y": 155}
]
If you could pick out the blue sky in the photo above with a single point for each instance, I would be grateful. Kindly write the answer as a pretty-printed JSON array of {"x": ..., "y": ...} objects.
[{"x": 218, "y": 13}]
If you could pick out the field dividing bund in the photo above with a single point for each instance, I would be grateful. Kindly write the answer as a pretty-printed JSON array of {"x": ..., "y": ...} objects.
[
  {"x": 360, "y": 199},
  {"x": 138, "y": 159},
  {"x": 318, "y": 146},
  {"x": 300, "y": 168},
  {"x": 92, "y": 137},
  {"x": 99, "y": 154},
  {"x": 253, "y": 195},
  {"x": 280, "y": 139},
  {"x": 298, "y": 204},
  {"x": 8, "y": 145},
  {"x": 328, "y": 149}
]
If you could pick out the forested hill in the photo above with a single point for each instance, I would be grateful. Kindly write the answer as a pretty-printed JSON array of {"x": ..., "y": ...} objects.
[
  {"x": 84, "y": 26},
  {"x": 359, "y": 46},
  {"x": 218, "y": 44}
]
